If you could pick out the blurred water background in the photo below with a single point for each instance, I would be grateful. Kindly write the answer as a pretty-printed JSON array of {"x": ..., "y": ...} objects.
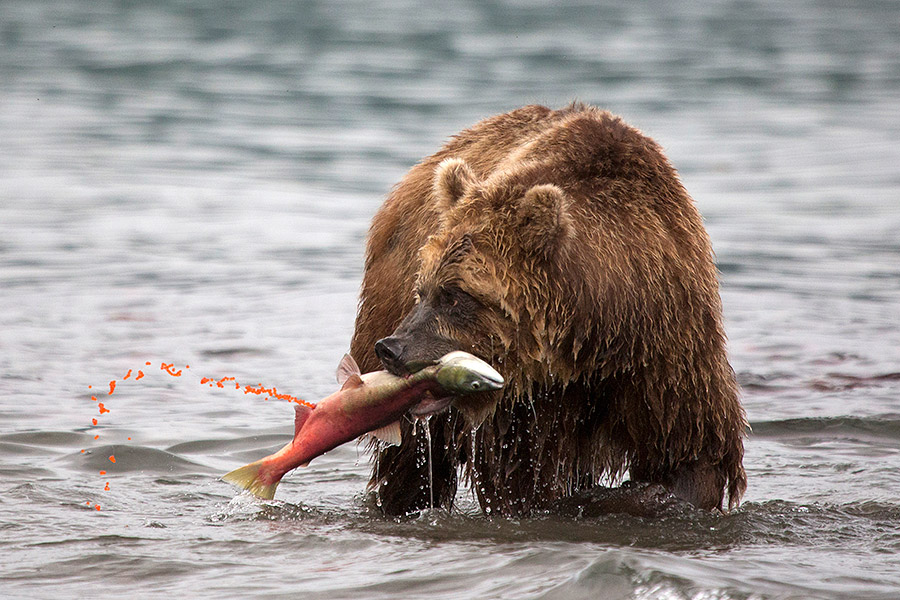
[{"x": 190, "y": 183}]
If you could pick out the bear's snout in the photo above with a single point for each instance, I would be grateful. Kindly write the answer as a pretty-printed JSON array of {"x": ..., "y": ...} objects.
[{"x": 389, "y": 351}]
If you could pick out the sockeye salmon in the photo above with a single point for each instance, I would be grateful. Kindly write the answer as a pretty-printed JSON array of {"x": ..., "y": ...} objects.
[{"x": 374, "y": 403}]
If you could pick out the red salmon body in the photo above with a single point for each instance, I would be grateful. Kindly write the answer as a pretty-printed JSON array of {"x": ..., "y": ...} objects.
[
  {"x": 364, "y": 403},
  {"x": 336, "y": 420},
  {"x": 374, "y": 403}
]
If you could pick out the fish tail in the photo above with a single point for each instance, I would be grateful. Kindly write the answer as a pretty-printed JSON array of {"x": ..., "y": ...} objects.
[{"x": 248, "y": 478}]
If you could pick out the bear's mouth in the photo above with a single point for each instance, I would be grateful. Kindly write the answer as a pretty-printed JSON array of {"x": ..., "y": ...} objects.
[{"x": 404, "y": 354}]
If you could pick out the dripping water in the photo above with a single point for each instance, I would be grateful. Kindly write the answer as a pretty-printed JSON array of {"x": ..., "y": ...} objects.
[{"x": 426, "y": 424}]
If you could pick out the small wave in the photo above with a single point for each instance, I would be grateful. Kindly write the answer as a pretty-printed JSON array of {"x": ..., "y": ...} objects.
[
  {"x": 865, "y": 526},
  {"x": 199, "y": 446},
  {"x": 116, "y": 540},
  {"x": 840, "y": 382},
  {"x": 135, "y": 458},
  {"x": 253, "y": 443},
  {"x": 8, "y": 449},
  {"x": 867, "y": 428},
  {"x": 44, "y": 438},
  {"x": 233, "y": 352},
  {"x": 244, "y": 449}
]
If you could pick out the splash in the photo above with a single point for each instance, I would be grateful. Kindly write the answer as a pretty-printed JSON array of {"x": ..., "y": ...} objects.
[{"x": 169, "y": 368}]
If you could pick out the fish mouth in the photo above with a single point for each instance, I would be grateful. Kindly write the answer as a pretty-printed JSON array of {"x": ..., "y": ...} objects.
[{"x": 431, "y": 405}]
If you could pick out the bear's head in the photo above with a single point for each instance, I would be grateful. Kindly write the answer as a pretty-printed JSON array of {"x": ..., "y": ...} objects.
[{"x": 485, "y": 277}]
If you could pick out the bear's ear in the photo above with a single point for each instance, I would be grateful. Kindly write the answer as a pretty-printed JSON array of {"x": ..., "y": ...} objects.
[
  {"x": 543, "y": 218},
  {"x": 451, "y": 180}
]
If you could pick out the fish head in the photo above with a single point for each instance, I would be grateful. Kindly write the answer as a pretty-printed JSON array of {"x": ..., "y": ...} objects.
[
  {"x": 460, "y": 375},
  {"x": 459, "y": 372}
]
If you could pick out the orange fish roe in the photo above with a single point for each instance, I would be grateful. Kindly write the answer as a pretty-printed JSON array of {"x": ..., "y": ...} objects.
[
  {"x": 273, "y": 393},
  {"x": 168, "y": 369},
  {"x": 259, "y": 390}
]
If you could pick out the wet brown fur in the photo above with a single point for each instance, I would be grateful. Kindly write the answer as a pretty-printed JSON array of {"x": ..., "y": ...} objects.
[{"x": 597, "y": 300}]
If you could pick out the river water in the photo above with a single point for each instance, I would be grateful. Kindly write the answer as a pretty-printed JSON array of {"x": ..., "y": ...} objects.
[{"x": 190, "y": 183}]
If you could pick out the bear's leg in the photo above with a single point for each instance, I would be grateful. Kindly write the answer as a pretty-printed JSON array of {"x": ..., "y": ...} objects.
[
  {"x": 400, "y": 476},
  {"x": 697, "y": 482}
]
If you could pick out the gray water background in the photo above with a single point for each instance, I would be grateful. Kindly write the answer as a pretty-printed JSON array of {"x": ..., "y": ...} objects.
[{"x": 191, "y": 183}]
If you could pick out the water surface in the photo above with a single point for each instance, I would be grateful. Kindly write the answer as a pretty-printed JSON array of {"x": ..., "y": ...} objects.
[{"x": 191, "y": 183}]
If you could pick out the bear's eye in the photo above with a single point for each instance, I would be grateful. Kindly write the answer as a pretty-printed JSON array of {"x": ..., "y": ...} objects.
[
  {"x": 448, "y": 297},
  {"x": 455, "y": 301}
]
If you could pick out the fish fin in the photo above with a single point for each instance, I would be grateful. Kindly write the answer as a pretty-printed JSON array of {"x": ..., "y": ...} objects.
[
  {"x": 347, "y": 369},
  {"x": 352, "y": 382},
  {"x": 389, "y": 434},
  {"x": 247, "y": 478},
  {"x": 306, "y": 464},
  {"x": 301, "y": 414}
]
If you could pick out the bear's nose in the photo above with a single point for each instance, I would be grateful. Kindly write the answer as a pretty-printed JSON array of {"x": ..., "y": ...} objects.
[{"x": 389, "y": 350}]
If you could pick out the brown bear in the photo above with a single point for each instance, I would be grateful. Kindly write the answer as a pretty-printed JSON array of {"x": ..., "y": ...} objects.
[{"x": 561, "y": 247}]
